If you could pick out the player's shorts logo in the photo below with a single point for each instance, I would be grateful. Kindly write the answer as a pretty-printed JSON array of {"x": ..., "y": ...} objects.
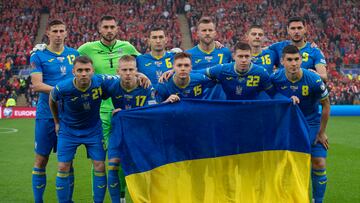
[{"x": 8, "y": 112}]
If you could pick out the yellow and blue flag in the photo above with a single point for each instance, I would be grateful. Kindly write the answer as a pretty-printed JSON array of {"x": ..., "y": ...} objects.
[{"x": 215, "y": 151}]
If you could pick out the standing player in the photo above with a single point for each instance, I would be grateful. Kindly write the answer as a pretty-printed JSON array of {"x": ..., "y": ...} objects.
[
  {"x": 242, "y": 80},
  {"x": 183, "y": 83},
  {"x": 75, "y": 105},
  {"x": 312, "y": 57},
  {"x": 105, "y": 55},
  {"x": 51, "y": 66},
  {"x": 158, "y": 61},
  {"x": 206, "y": 55},
  {"x": 310, "y": 91},
  {"x": 263, "y": 57}
]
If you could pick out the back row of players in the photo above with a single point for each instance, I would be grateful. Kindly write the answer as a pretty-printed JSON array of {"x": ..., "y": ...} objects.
[{"x": 248, "y": 77}]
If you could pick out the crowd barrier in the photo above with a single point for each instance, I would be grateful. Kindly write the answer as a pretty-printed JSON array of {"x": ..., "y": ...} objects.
[
  {"x": 17, "y": 112},
  {"x": 30, "y": 112}
]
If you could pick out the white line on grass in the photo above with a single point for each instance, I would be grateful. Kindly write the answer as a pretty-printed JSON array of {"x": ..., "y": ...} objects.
[{"x": 8, "y": 130}]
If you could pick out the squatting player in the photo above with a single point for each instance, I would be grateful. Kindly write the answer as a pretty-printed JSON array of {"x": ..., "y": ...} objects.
[
  {"x": 242, "y": 80},
  {"x": 183, "y": 83},
  {"x": 51, "y": 66},
  {"x": 125, "y": 93},
  {"x": 311, "y": 91},
  {"x": 312, "y": 57},
  {"x": 75, "y": 105}
]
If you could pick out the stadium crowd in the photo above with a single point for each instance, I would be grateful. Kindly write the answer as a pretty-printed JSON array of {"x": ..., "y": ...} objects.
[
  {"x": 137, "y": 19},
  {"x": 333, "y": 29}
]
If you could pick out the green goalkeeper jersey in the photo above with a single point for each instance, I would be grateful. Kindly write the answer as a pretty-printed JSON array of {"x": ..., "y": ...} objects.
[{"x": 105, "y": 60}]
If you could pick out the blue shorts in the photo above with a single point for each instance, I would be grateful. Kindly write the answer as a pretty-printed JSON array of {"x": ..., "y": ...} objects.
[
  {"x": 45, "y": 136},
  {"x": 67, "y": 145},
  {"x": 317, "y": 150},
  {"x": 114, "y": 146}
]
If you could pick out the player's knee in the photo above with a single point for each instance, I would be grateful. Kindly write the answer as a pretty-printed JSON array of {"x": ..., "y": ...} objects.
[
  {"x": 114, "y": 160},
  {"x": 99, "y": 166},
  {"x": 64, "y": 166},
  {"x": 318, "y": 163},
  {"x": 41, "y": 161}
]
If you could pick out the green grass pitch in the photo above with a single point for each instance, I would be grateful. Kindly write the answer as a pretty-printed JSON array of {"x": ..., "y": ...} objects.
[{"x": 17, "y": 156}]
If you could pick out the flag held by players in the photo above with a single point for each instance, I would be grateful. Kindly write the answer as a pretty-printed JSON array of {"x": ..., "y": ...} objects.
[{"x": 208, "y": 151}]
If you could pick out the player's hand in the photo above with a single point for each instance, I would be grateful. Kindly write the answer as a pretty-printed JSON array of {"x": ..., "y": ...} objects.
[
  {"x": 165, "y": 76},
  {"x": 314, "y": 45},
  {"x": 295, "y": 99},
  {"x": 322, "y": 139},
  {"x": 39, "y": 47},
  {"x": 57, "y": 127},
  {"x": 172, "y": 98},
  {"x": 176, "y": 50},
  {"x": 116, "y": 110},
  {"x": 218, "y": 45},
  {"x": 143, "y": 80}
]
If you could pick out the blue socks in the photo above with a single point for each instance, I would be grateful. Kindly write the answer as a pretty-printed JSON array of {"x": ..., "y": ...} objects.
[
  {"x": 71, "y": 182},
  {"x": 319, "y": 181},
  {"x": 113, "y": 182},
  {"x": 38, "y": 184},
  {"x": 99, "y": 186},
  {"x": 63, "y": 187}
]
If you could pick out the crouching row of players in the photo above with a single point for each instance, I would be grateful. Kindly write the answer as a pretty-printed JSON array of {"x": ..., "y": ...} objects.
[{"x": 75, "y": 104}]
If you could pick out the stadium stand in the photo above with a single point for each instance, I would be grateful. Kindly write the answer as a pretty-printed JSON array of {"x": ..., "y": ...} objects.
[
  {"x": 135, "y": 21},
  {"x": 334, "y": 30}
]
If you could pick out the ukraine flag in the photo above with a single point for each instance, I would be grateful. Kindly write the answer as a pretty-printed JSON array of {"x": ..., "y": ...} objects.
[{"x": 215, "y": 151}]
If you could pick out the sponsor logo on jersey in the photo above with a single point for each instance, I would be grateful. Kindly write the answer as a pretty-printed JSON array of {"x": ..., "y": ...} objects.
[
  {"x": 294, "y": 88},
  {"x": 51, "y": 60},
  {"x": 186, "y": 93},
  {"x": 158, "y": 63},
  {"x": 241, "y": 79},
  {"x": 60, "y": 58},
  {"x": 229, "y": 78},
  {"x": 283, "y": 87},
  {"x": 128, "y": 96},
  {"x": 85, "y": 96},
  {"x": 148, "y": 64},
  {"x": 208, "y": 58}
]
